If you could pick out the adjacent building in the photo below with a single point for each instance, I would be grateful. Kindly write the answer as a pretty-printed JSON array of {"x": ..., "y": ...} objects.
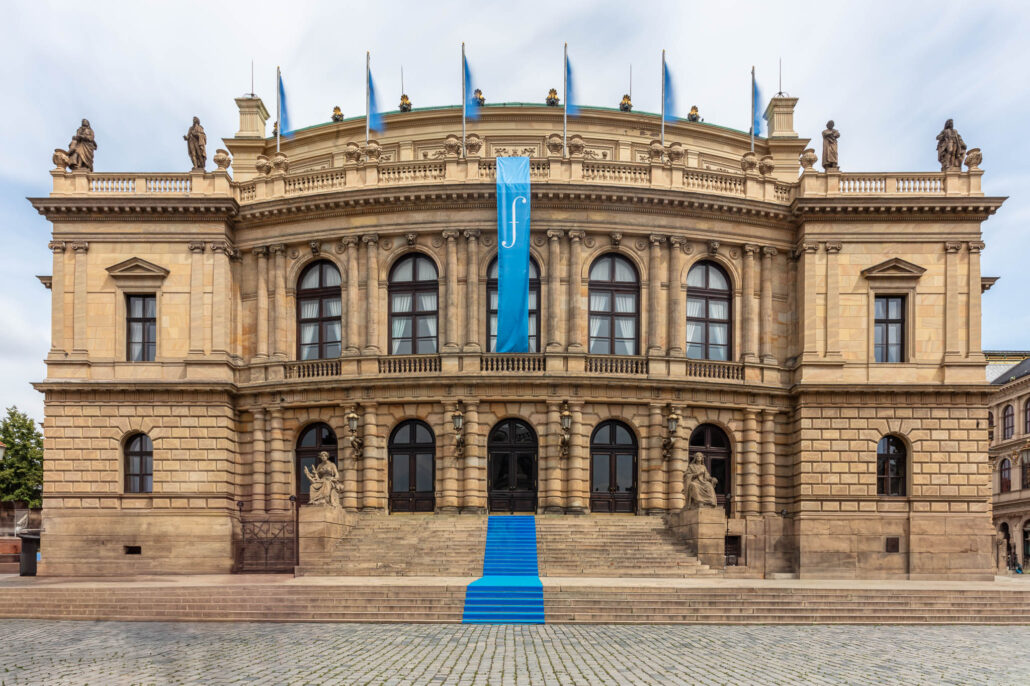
[{"x": 1009, "y": 426}]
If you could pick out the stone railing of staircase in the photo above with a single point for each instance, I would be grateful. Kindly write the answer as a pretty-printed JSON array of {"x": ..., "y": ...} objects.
[{"x": 655, "y": 175}]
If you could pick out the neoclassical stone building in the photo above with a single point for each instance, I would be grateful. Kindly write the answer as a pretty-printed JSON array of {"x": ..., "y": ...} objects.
[
  {"x": 1009, "y": 422},
  {"x": 816, "y": 335}
]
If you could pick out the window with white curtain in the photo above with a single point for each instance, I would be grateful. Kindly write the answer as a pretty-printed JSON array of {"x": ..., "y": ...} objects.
[
  {"x": 319, "y": 312},
  {"x": 413, "y": 289},
  {"x": 534, "y": 305},
  {"x": 614, "y": 306},
  {"x": 708, "y": 312}
]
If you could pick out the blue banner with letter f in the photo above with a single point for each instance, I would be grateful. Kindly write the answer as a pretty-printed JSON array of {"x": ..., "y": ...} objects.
[{"x": 513, "y": 254}]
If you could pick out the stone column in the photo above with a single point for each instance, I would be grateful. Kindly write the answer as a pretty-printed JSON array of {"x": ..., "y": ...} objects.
[
  {"x": 576, "y": 323},
  {"x": 373, "y": 473},
  {"x": 749, "y": 321},
  {"x": 221, "y": 300},
  {"x": 832, "y": 300},
  {"x": 578, "y": 488},
  {"x": 768, "y": 482},
  {"x": 473, "y": 313},
  {"x": 279, "y": 288},
  {"x": 550, "y": 463},
  {"x": 447, "y": 459},
  {"x": 676, "y": 466},
  {"x": 473, "y": 497},
  {"x": 261, "y": 316},
  {"x": 452, "y": 318},
  {"x": 258, "y": 461},
  {"x": 749, "y": 464},
  {"x": 57, "y": 290},
  {"x": 652, "y": 470},
  {"x": 654, "y": 294},
  {"x": 279, "y": 472},
  {"x": 196, "y": 298},
  {"x": 351, "y": 300},
  {"x": 79, "y": 298},
  {"x": 554, "y": 338},
  {"x": 766, "y": 314},
  {"x": 974, "y": 299},
  {"x": 677, "y": 298},
  {"x": 372, "y": 293}
]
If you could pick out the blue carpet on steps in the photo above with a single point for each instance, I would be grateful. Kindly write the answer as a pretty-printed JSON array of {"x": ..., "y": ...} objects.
[{"x": 509, "y": 591}]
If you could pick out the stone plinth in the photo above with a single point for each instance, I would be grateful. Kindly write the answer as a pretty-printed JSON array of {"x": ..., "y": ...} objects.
[
  {"x": 320, "y": 528},
  {"x": 705, "y": 530}
]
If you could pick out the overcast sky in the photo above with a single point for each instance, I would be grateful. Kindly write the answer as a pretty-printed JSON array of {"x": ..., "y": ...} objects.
[{"x": 888, "y": 73}]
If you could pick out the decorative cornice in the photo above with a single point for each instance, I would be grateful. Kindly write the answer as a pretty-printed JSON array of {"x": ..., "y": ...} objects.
[
  {"x": 918, "y": 208},
  {"x": 135, "y": 209}
]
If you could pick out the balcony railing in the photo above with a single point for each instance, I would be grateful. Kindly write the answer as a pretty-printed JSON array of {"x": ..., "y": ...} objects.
[
  {"x": 704, "y": 369},
  {"x": 312, "y": 369},
  {"x": 409, "y": 364},
  {"x": 616, "y": 364},
  {"x": 511, "y": 363}
]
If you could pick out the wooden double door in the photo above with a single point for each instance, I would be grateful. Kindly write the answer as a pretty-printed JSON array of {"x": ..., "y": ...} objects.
[
  {"x": 512, "y": 467},
  {"x": 412, "y": 451},
  {"x": 613, "y": 469}
]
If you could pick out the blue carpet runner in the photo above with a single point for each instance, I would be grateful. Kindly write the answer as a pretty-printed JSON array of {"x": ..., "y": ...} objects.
[{"x": 510, "y": 591}]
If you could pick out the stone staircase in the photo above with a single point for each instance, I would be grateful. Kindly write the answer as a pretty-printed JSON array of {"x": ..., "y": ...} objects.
[
  {"x": 405, "y": 545},
  {"x": 613, "y": 546}
]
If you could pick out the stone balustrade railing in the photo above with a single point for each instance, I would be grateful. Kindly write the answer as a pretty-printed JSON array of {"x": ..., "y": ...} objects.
[
  {"x": 496, "y": 362},
  {"x": 664, "y": 176}
]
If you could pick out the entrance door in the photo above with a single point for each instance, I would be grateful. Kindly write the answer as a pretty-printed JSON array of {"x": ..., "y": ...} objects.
[
  {"x": 512, "y": 470},
  {"x": 613, "y": 469},
  {"x": 412, "y": 451}
]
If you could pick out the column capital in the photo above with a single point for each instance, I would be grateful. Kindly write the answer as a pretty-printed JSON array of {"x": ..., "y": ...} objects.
[
  {"x": 555, "y": 234},
  {"x": 196, "y": 246},
  {"x": 277, "y": 249},
  {"x": 656, "y": 239},
  {"x": 678, "y": 242},
  {"x": 224, "y": 247},
  {"x": 57, "y": 246},
  {"x": 750, "y": 249},
  {"x": 80, "y": 246},
  {"x": 952, "y": 246},
  {"x": 349, "y": 241},
  {"x": 370, "y": 239},
  {"x": 976, "y": 246},
  {"x": 261, "y": 251},
  {"x": 805, "y": 248},
  {"x": 576, "y": 235},
  {"x": 472, "y": 235},
  {"x": 451, "y": 235},
  {"x": 769, "y": 251},
  {"x": 834, "y": 247}
]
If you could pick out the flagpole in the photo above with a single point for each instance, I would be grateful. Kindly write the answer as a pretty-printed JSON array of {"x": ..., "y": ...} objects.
[
  {"x": 368, "y": 95},
  {"x": 565, "y": 114},
  {"x": 752, "y": 108},
  {"x": 278, "y": 98},
  {"x": 663, "y": 98},
  {"x": 464, "y": 99}
]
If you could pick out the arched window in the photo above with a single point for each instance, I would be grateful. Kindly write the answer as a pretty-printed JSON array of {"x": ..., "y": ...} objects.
[
  {"x": 534, "y": 305},
  {"x": 1026, "y": 418},
  {"x": 712, "y": 442},
  {"x": 319, "y": 308},
  {"x": 313, "y": 440},
  {"x": 413, "y": 306},
  {"x": 614, "y": 306},
  {"x": 708, "y": 312},
  {"x": 139, "y": 464},
  {"x": 1024, "y": 468},
  {"x": 890, "y": 466},
  {"x": 990, "y": 426},
  {"x": 1008, "y": 422},
  {"x": 412, "y": 451},
  {"x": 1005, "y": 475},
  {"x": 613, "y": 468}
]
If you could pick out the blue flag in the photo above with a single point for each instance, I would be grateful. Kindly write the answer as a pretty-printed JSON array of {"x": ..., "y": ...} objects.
[
  {"x": 669, "y": 103},
  {"x": 513, "y": 254},
  {"x": 284, "y": 117},
  {"x": 471, "y": 106},
  {"x": 571, "y": 108},
  {"x": 375, "y": 120},
  {"x": 756, "y": 115}
]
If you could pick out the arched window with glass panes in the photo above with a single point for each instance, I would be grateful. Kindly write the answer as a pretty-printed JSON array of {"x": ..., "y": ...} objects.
[
  {"x": 890, "y": 466},
  {"x": 614, "y": 306},
  {"x": 534, "y": 305},
  {"x": 1008, "y": 422},
  {"x": 319, "y": 312},
  {"x": 1005, "y": 475},
  {"x": 708, "y": 312},
  {"x": 414, "y": 288},
  {"x": 139, "y": 464}
]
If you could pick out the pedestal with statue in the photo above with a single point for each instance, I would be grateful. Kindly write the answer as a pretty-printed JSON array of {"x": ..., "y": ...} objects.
[{"x": 701, "y": 523}]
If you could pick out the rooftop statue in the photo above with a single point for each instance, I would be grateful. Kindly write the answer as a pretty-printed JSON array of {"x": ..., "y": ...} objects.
[
  {"x": 698, "y": 484},
  {"x": 337, "y": 114},
  {"x": 325, "y": 482},
  {"x": 79, "y": 154},
  {"x": 627, "y": 104},
  {"x": 477, "y": 95},
  {"x": 196, "y": 145},
  {"x": 694, "y": 115},
  {"x": 405, "y": 105},
  {"x": 830, "y": 136},
  {"x": 552, "y": 98},
  {"x": 951, "y": 149}
]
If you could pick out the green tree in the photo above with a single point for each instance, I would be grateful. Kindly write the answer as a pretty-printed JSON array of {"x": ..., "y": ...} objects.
[{"x": 21, "y": 471}]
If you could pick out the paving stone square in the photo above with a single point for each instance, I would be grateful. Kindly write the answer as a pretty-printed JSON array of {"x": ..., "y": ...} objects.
[{"x": 56, "y": 653}]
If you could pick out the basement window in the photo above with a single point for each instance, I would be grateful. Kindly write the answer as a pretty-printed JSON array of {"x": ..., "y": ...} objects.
[
  {"x": 133, "y": 550},
  {"x": 893, "y": 544},
  {"x": 733, "y": 551}
]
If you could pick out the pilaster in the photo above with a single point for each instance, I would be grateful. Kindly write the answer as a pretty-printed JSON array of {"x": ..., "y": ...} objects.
[
  {"x": 677, "y": 298},
  {"x": 833, "y": 352},
  {"x": 748, "y": 319},
  {"x": 554, "y": 337},
  {"x": 279, "y": 289},
  {"x": 654, "y": 290},
  {"x": 58, "y": 288},
  {"x": 371, "y": 241},
  {"x": 196, "y": 298},
  {"x": 452, "y": 317},
  {"x": 765, "y": 305},
  {"x": 257, "y": 462},
  {"x": 279, "y": 475},
  {"x": 373, "y": 473},
  {"x": 749, "y": 455},
  {"x": 350, "y": 244},
  {"x": 576, "y": 325},
  {"x": 79, "y": 302},
  {"x": 473, "y": 497},
  {"x": 578, "y": 487},
  {"x": 472, "y": 308},
  {"x": 260, "y": 316},
  {"x": 768, "y": 476}
]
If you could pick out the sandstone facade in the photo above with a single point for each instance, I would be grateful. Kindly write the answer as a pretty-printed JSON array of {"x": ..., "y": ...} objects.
[{"x": 800, "y": 398}]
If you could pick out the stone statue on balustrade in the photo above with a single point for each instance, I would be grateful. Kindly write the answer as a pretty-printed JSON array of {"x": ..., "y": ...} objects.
[
  {"x": 830, "y": 136},
  {"x": 196, "y": 145},
  {"x": 325, "y": 482},
  {"x": 698, "y": 484},
  {"x": 951, "y": 149},
  {"x": 79, "y": 154}
]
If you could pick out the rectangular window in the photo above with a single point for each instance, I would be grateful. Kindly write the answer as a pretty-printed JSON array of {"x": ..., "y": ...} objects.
[
  {"x": 889, "y": 328},
  {"x": 141, "y": 327}
]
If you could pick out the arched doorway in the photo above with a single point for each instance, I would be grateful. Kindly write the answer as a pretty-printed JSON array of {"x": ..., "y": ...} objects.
[
  {"x": 412, "y": 451},
  {"x": 312, "y": 440},
  {"x": 512, "y": 471},
  {"x": 613, "y": 468},
  {"x": 711, "y": 441}
]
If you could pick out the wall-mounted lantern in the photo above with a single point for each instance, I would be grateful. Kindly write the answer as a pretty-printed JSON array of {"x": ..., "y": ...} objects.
[
  {"x": 357, "y": 443},
  {"x": 565, "y": 417},
  {"x": 672, "y": 422}
]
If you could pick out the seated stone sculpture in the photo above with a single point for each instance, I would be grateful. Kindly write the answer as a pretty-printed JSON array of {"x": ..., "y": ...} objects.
[
  {"x": 698, "y": 484},
  {"x": 325, "y": 482}
]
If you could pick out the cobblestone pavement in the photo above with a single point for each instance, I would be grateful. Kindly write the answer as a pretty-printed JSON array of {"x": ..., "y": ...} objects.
[{"x": 117, "y": 653}]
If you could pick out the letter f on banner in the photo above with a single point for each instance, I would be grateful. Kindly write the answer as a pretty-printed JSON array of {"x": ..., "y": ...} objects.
[{"x": 513, "y": 255}]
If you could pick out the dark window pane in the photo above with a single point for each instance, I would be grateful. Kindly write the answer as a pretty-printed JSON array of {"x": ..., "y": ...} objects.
[
  {"x": 501, "y": 465},
  {"x": 424, "y": 472},
  {"x": 624, "y": 473},
  {"x": 622, "y": 435},
  {"x": 307, "y": 439},
  {"x": 601, "y": 473},
  {"x": 401, "y": 476},
  {"x": 604, "y": 434},
  {"x": 422, "y": 434},
  {"x": 524, "y": 475},
  {"x": 403, "y": 434}
]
